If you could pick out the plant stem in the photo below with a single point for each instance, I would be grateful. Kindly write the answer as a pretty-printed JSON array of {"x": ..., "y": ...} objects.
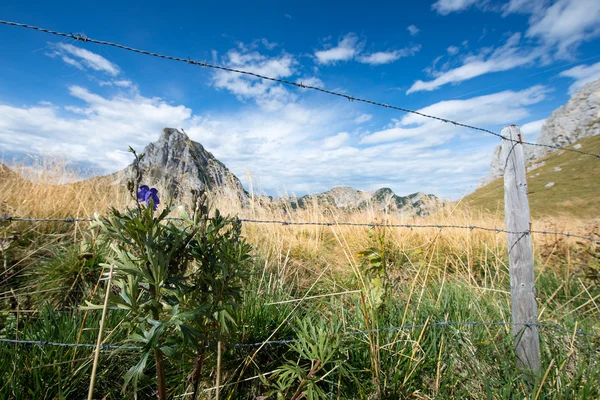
[
  {"x": 197, "y": 371},
  {"x": 312, "y": 371},
  {"x": 160, "y": 375},
  {"x": 99, "y": 341},
  {"x": 158, "y": 355},
  {"x": 218, "y": 370}
]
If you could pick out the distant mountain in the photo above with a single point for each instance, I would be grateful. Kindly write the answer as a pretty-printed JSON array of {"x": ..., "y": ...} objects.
[
  {"x": 578, "y": 119},
  {"x": 176, "y": 164},
  {"x": 384, "y": 199}
]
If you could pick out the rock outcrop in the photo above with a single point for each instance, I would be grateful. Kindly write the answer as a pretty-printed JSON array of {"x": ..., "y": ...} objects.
[
  {"x": 578, "y": 119},
  {"x": 416, "y": 204},
  {"x": 175, "y": 164}
]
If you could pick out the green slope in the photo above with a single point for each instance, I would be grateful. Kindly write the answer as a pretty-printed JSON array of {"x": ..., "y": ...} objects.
[{"x": 575, "y": 193}]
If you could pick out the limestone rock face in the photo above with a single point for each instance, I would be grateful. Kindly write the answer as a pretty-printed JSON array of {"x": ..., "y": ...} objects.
[
  {"x": 416, "y": 204},
  {"x": 175, "y": 164},
  {"x": 578, "y": 119}
]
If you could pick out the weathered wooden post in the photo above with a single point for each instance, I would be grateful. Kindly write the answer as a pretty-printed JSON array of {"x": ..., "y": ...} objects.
[{"x": 520, "y": 252}]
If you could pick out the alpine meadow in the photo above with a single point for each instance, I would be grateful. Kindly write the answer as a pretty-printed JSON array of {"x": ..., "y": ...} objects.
[{"x": 293, "y": 201}]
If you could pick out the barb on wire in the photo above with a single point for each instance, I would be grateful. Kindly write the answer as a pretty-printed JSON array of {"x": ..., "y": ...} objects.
[
  {"x": 188, "y": 60},
  {"x": 351, "y": 333},
  {"x": 312, "y": 223},
  {"x": 48, "y": 343}
]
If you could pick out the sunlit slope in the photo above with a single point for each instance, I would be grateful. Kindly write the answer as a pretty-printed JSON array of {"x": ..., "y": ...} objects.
[{"x": 575, "y": 191}]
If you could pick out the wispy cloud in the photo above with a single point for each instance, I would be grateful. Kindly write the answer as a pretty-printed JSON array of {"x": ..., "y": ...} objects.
[
  {"x": 311, "y": 81},
  {"x": 362, "y": 118},
  {"x": 124, "y": 83},
  {"x": 531, "y": 130},
  {"x": 583, "y": 74},
  {"x": 413, "y": 30},
  {"x": 452, "y": 50},
  {"x": 386, "y": 57},
  {"x": 266, "y": 93},
  {"x": 336, "y": 141},
  {"x": 446, "y": 7},
  {"x": 565, "y": 24},
  {"x": 504, "y": 108},
  {"x": 505, "y": 57},
  {"x": 560, "y": 26},
  {"x": 82, "y": 59},
  {"x": 348, "y": 47}
]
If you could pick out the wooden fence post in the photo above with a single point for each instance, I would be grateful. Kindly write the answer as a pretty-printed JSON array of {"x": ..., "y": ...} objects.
[{"x": 520, "y": 253}]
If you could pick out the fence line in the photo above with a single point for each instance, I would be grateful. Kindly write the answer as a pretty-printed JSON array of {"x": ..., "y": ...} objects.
[
  {"x": 351, "y": 333},
  {"x": 312, "y": 223},
  {"x": 84, "y": 38}
]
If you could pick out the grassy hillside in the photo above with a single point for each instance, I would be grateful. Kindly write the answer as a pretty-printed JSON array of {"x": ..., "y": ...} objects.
[{"x": 575, "y": 193}]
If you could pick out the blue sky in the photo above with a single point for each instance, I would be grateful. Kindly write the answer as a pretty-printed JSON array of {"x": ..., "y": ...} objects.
[{"x": 480, "y": 62}]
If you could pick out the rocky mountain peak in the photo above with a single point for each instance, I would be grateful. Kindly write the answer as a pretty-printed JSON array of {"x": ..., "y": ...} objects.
[
  {"x": 176, "y": 164},
  {"x": 578, "y": 119}
]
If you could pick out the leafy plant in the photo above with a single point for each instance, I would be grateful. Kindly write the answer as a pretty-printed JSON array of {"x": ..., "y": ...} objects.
[
  {"x": 318, "y": 353},
  {"x": 177, "y": 278}
]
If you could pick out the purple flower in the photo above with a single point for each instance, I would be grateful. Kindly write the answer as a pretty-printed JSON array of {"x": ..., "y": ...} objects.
[
  {"x": 141, "y": 195},
  {"x": 148, "y": 195}
]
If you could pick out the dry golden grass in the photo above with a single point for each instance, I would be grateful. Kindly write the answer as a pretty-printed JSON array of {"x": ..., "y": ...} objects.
[{"x": 49, "y": 189}]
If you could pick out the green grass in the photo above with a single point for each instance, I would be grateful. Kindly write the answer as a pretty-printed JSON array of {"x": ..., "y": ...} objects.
[
  {"x": 575, "y": 193},
  {"x": 434, "y": 362}
]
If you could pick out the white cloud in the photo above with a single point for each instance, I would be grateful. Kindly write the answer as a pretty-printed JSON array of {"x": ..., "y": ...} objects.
[
  {"x": 361, "y": 119},
  {"x": 413, "y": 30},
  {"x": 99, "y": 128},
  {"x": 563, "y": 24},
  {"x": 446, "y": 7},
  {"x": 336, "y": 141},
  {"x": 452, "y": 50},
  {"x": 501, "y": 108},
  {"x": 506, "y": 57},
  {"x": 531, "y": 130},
  {"x": 348, "y": 47},
  {"x": 583, "y": 74},
  {"x": 267, "y": 44},
  {"x": 120, "y": 83},
  {"x": 386, "y": 57},
  {"x": 298, "y": 149},
  {"x": 311, "y": 81},
  {"x": 84, "y": 59},
  {"x": 266, "y": 93}
]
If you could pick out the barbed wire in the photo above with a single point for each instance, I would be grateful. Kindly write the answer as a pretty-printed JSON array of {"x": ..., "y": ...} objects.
[
  {"x": 351, "y": 333},
  {"x": 84, "y": 38},
  {"x": 49, "y": 343},
  {"x": 351, "y": 224}
]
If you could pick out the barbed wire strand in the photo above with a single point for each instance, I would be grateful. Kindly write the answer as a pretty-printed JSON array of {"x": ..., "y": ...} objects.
[
  {"x": 351, "y": 333},
  {"x": 84, "y": 38},
  {"x": 312, "y": 223}
]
